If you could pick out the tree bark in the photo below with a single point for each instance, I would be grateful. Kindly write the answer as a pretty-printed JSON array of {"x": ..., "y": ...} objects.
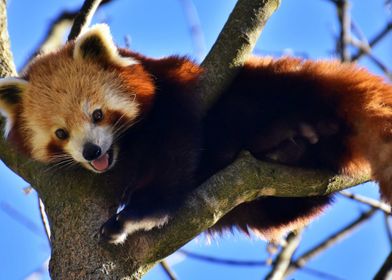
[{"x": 77, "y": 202}]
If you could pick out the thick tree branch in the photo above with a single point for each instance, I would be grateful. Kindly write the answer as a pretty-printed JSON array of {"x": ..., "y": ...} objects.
[
  {"x": 7, "y": 66},
  {"x": 234, "y": 45}
]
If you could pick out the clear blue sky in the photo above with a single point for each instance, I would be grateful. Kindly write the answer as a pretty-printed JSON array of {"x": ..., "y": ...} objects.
[{"x": 159, "y": 28}]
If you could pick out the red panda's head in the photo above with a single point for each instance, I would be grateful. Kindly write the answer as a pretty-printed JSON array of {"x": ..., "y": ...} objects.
[{"x": 72, "y": 104}]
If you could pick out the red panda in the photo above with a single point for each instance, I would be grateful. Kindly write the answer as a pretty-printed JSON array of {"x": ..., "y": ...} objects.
[{"x": 94, "y": 104}]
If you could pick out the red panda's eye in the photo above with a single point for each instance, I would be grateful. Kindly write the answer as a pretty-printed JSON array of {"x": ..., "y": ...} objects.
[
  {"x": 97, "y": 115},
  {"x": 61, "y": 134}
]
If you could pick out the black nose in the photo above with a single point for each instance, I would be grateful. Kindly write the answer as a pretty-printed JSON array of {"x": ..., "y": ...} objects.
[{"x": 91, "y": 151}]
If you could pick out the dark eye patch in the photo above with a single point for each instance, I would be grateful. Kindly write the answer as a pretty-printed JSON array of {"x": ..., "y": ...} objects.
[{"x": 54, "y": 149}]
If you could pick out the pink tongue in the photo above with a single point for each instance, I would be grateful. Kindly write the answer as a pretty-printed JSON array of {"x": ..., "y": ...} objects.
[{"x": 101, "y": 163}]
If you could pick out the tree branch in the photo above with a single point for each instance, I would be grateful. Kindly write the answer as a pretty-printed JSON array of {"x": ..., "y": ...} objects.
[
  {"x": 329, "y": 241},
  {"x": 368, "y": 201},
  {"x": 283, "y": 260},
  {"x": 7, "y": 66},
  {"x": 382, "y": 34},
  {"x": 343, "y": 9},
  {"x": 233, "y": 46},
  {"x": 385, "y": 271}
]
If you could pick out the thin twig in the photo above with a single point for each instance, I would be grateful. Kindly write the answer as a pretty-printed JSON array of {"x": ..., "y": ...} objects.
[
  {"x": 385, "y": 271},
  {"x": 367, "y": 49},
  {"x": 83, "y": 19},
  {"x": 382, "y": 34},
  {"x": 250, "y": 263},
  {"x": 222, "y": 260},
  {"x": 169, "y": 272},
  {"x": 329, "y": 241},
  {"x": 358, "y": 32},
  {"x": 283, "y": 260},
  {"x": 368, "y": 201},
  {"x": 343, "y": 9}
]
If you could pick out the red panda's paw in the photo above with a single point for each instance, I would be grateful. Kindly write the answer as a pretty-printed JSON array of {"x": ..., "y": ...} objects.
[
  {"x": 292, "y": 141},
  {"x": 119, "y": 226}
]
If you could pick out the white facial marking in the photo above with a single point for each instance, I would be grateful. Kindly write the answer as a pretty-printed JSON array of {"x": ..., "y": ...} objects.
[
  {"x": 118, "y": 102},
  {"x": 39, "y": 139},
  {"x": 98, "y": 135},
  {"x": 8, "y": 122}
]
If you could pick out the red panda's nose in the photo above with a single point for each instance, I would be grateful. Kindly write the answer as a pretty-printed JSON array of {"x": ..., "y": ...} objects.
[{"x": 91, "y": 151}]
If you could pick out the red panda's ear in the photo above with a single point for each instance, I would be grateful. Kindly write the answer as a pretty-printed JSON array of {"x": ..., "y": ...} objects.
[
  {"x": 11, "y": 90},
  {"x": 97, "y": 44}
]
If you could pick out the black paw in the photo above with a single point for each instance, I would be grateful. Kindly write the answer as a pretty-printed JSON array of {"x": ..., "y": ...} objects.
[{"x": 113, "y": 230}]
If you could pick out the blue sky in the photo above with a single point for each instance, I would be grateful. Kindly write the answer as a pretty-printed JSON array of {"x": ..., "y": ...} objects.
[{"x": 159, "y": 28}]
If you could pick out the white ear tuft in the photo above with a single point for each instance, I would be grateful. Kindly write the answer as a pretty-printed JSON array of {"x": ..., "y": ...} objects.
[
  {"x": 11, "y": 90},
  {"x": 97, "y": 44}
]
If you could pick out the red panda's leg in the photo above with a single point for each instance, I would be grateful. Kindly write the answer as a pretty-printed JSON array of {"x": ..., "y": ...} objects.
[{"x": 148, "y": 208}]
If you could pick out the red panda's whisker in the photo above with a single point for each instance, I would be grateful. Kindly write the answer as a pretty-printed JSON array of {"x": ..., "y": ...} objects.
[
  {"x": 118, "y": 131},
  {"x": 61, "y": 164}
]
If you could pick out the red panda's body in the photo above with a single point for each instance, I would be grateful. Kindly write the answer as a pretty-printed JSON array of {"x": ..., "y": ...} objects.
[{"x": 75, "y": 104}]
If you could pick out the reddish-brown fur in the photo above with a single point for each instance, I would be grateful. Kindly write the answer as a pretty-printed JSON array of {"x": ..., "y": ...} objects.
[{"x": 312, "y": 114}]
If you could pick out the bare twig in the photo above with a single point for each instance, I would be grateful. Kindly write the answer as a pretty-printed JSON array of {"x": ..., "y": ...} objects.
[
  {"x": 166, "y": 268},
  {"x": 330, "y": 241},
  {"x": 222, "y": 260},
  {"x": 382, "y": 34},
  {"x": 249, "y": 263},
  {"x": 385, "y": 271},
  {"x": 283, "y": 260},
  {"x": 196, "y": 31},
  {"x": 368, "y": 201},
  {"x": 358, "y": 33},
  {"x": 343, "y": 9},
  {"x": 367, "y": 49},
  {"x": 83, "y": 19}
]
